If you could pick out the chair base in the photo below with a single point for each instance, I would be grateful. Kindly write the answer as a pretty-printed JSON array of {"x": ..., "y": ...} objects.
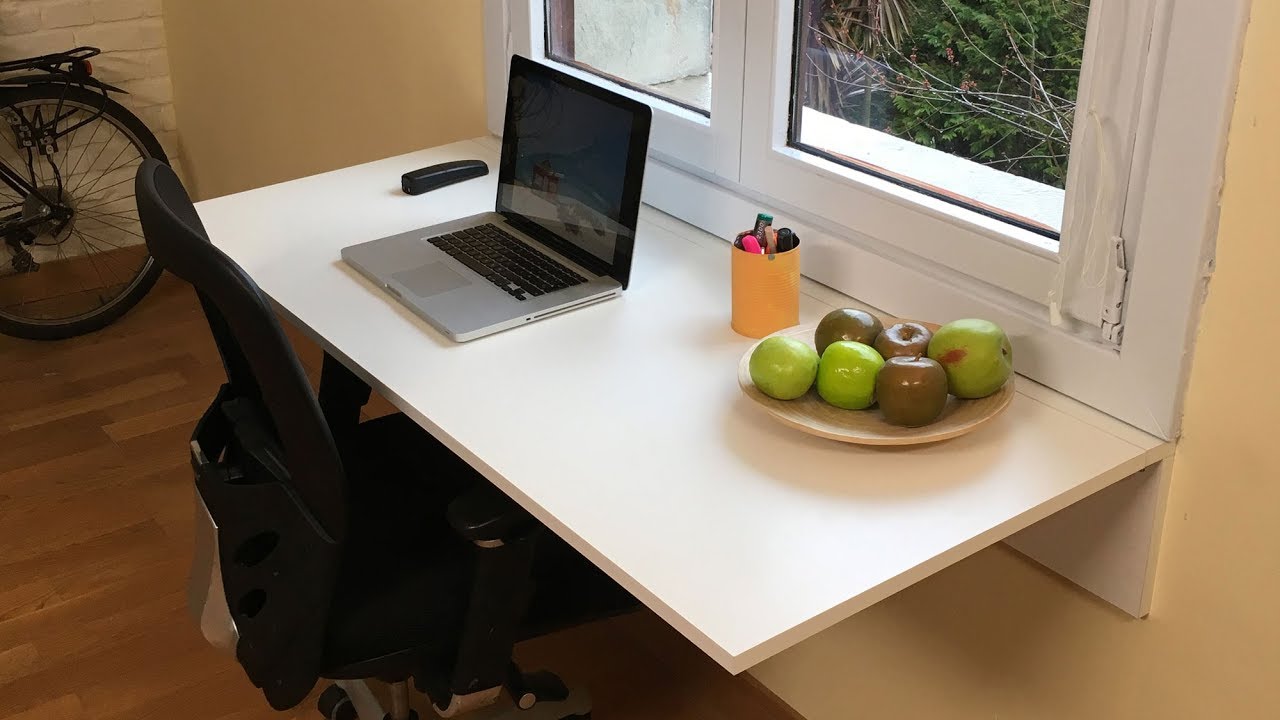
[{"x": 353, "y": 700}]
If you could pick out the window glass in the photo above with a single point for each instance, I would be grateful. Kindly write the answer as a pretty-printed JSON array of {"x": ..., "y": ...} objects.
[
  {"x": 661, "y": 47},
  {"x": 971, "y": 101}
]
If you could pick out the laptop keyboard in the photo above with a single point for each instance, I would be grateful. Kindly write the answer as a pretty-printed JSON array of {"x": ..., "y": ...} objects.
[{"x": 512, "y": 266}]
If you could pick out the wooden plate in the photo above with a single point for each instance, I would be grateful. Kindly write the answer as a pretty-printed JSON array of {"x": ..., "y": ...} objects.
[{"x": 867, "y": 427}]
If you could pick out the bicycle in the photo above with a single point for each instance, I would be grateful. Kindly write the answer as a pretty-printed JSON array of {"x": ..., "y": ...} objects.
[{"x": 72, "y": 256}]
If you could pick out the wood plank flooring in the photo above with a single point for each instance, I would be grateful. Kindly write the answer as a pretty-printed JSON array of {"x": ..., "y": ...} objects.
[{"x": 96, "y": 532}]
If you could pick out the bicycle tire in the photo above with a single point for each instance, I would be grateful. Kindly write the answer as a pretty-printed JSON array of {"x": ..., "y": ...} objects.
[{"x": 145, "y": 280}]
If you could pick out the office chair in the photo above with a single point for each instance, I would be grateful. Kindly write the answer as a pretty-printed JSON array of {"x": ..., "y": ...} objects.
[{"x": 334, "y": 548}]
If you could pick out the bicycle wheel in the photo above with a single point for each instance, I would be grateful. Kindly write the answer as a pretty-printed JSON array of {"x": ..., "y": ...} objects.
[{"x": 72, "y": 256}]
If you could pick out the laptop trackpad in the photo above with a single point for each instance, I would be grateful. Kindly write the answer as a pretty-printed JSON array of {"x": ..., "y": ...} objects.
[{"x": 431, "y": 279}]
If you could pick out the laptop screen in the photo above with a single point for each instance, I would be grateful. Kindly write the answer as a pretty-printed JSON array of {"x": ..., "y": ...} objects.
[{"x": 572, "y": 166}]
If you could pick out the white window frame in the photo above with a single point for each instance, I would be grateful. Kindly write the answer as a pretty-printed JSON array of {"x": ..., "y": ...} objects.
[{"x": 1166, "y": 116}]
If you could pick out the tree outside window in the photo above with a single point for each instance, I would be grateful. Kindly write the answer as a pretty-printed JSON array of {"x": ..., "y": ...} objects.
[{"x": 992, "y": 81}]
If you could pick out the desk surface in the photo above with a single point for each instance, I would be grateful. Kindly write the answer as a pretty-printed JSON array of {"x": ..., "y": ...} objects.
[{"x": 621, "y": 426}]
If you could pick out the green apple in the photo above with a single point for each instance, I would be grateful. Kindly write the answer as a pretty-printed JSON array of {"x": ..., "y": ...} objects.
[
  {"x": 847, "y": 374},
  {"x": 783, "y": 367},
  {"x": 976, "y": 355}
]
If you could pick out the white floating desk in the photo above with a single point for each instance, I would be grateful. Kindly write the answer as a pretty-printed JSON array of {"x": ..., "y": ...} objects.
[{"x": 621, "y": 426}]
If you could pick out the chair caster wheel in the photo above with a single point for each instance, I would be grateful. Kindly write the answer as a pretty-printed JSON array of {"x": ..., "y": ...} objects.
[
  {"x": 335, "y": 704},
  {"x": 413, "y": 715}
]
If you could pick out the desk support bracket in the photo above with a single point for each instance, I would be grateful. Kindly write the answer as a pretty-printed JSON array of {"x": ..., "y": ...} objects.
[{"x": 1108, "y": 542}]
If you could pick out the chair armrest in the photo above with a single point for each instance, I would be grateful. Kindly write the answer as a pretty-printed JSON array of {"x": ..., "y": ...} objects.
[
  {"x": 504, "y": 536},
  {"x": 341, "y": 395},
  {"x": 485, "y": 515}
]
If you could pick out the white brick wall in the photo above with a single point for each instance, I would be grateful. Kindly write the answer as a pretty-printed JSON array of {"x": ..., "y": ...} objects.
[
  {"x": 65, "y": 13},
  {"x": 131, "y": 35}
]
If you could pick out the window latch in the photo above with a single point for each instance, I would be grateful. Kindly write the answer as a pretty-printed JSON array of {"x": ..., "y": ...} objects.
[{"x": 1113, "y": 293}]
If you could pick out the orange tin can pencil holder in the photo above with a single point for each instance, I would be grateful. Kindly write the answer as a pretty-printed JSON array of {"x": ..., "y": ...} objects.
[{"x": 766, "y": 291}]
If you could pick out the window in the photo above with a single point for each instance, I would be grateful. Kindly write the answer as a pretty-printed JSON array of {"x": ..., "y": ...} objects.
[
  {"x": 972, "y": 102},
  {"x": 1052, "y": 165},
  {"x": 663, "y": 48}
]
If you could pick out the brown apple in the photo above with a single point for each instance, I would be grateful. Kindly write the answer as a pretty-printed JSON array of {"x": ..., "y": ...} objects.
[
  {"x": 912, "y": 391},
  {"x": 906, "y": 339},
  {"x": 846, "y": 324}
]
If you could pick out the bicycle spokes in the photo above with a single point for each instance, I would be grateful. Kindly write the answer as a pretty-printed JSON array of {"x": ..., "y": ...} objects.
[{"x": 72, "y": 241}]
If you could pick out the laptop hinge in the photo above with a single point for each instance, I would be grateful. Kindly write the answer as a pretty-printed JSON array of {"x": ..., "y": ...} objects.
[{"x": 556, "y": 243}]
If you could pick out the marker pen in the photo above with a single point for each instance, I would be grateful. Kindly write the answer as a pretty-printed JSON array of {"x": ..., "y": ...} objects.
[{"x": 763, "y": 220}]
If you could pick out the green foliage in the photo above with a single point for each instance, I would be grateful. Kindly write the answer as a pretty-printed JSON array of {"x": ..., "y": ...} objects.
[{"x": 994, "y": 81}]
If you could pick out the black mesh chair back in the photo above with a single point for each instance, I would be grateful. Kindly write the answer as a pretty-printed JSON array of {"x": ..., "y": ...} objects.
[{"x": 269, "y": 476}]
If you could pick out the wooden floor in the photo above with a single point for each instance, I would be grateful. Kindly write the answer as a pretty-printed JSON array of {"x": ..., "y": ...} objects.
[{"x": 96, "y": 532}]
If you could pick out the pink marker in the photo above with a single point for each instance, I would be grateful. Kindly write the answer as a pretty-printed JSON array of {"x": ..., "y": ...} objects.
[{"x": 752, "y": 245}]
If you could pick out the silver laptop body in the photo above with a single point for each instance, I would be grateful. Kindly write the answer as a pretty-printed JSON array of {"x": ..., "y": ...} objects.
[
  {"x": 457, "y": 300},
  {"x": 569, "y": 188}
]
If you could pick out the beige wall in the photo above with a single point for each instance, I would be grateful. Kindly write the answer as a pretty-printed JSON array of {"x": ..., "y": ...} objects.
[
  {"x": 269, "y": 90},
  {"x": 994, "y": 637}
]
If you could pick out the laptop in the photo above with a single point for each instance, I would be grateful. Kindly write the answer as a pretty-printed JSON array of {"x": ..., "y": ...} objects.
[{"x": 563, "y": 229}]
